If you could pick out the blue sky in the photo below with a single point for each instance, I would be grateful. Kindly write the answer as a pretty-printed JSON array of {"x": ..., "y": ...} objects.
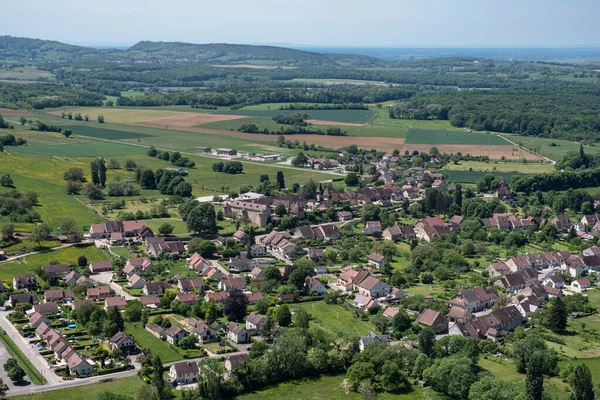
[{"x": 309, "y": 22}]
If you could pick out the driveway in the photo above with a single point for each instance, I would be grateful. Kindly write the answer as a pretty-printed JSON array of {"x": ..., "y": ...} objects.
[{"x": 106, "y": 278}]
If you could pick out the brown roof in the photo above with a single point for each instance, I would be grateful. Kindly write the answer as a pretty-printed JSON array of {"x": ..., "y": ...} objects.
[
  {"x": 428, "y": 317},
  {"x": 115, "y": 301},
  {"x": 186, "y": 368}
]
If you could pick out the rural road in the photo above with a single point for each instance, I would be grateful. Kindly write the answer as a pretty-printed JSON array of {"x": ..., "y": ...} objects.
[
  {"x": 106, "y": 277},
  {"x": 14, "y": 258},
  {"x": 527, "y": 150}
]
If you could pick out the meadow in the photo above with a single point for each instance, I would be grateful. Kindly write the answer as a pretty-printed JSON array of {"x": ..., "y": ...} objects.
[
  {"x": 474, "y": 176},
  {"x": 554, "y": 149},
  {"x": 437, "y": 136},
  {"x": 147, "y": 340},
  {"x": 351, "y": 116},
  {"x": 335, "y": 318},
  {"x": 500, "y": 167}
]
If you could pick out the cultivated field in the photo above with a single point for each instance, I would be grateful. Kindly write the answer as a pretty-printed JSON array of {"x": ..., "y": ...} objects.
[
  {"x": 7, "y": 112},
  {"x": 187, "y": 120},
  {"x": 352, "y": 116},
  {"x": 440, "y": 137},
  {"x": 529, "y": 168},
  {"x": 554, "y": 149},
  {"x": 509, "y": 152}
]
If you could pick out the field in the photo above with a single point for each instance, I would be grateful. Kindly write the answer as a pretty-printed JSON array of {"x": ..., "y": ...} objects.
[
  {"x": 67, "y": 255},
  {"x": 126, "y": 386},
  {"x": 24, "y": 74},
  {"x": 335, "y": 318},
  {"x": 146, "y": 340},
  {"x": 543, "y": 146},
  {"x": 327, "y": 388},
  {"x": 436, "y": 136},
  {"x": 500, "y": 167},
  {"x": 474, "y": 176},
  {"x": 86, "y": 149},
  {"x": 350, "y": 116}
]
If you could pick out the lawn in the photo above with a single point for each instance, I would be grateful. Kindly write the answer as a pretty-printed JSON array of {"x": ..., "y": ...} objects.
[
  {"x": 147, "y": 340},
  {"x": 335, "y": 318},
  {"x": 16, "y": 353},
  {"x": 67, "y": 255},
  {"x": 439, "y": 136},
  {"x": 178, "y": 224},
  {"x": 499, "y": 167},
  {"x": 327, "y": 388},
  {"x": 126, "y": 386}
]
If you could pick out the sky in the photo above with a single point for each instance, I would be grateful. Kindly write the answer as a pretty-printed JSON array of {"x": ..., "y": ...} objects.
[{"x": 391, "y": 23}]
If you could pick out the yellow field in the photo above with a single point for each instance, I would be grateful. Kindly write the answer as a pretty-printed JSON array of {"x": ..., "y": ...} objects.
[{"x": 529, "y": 168}]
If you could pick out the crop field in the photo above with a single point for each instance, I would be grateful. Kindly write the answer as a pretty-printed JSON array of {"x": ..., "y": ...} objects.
[
  {"x": 85, "y": 149},
  {"x": 350, "y": 116},
  {"x": 438, "y": 136},
  {"x": 494, "y": 167},
  {"x": 24, "y": 73},
  {"x": 554, "y": 149}
]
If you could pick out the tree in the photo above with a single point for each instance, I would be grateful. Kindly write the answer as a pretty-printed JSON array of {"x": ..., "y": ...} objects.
[
  {"x": 6, "y": 180},
  {"x": 301, "y": 319},
  {"x": 68, "y": 225},
  {"x": 534, "y": 380},
  {"x": 130, "y": 165},
  {"x": 82, "y": 261},
  {"x": 557, "y": 315},
  {"x": 133, "y": 311},
  {"x": 166, "y": 229},
  {"x": 359, "y": 372},
  {"x": 92, "y": 191},
  {"x": 401, "y": 321},
  {"x": 8, "y": 230},
  {"x": 67, "y": 133},
  {"x": 426, "y": 341},
  {"x": 234, "y": 307},
  {"x": 581, "y": 383},
  {"x": 162, "y": 392},
  {"x": 74, "y": 174},
  {"x": 280, "y": 210},
  {"x": 202, "y": 219},
  {"x": 393, "y": 379},
  {"x": 351, "y": 179},
  {"x": 490, "y": 388},
  {"x": 282, "y": 315},
  {"x": 95, "y": 171},
  {"x": 280, "y": 180},
  {"x": 267, "y": 328},
  {"x": 16, "y": 373},
  {"x": 458, "y": 195},
  {"x": 100, "y": 119},
  {"x": 40, "y": 232},
  {"x": 102, "y": 172},
  {"x": 188, "y": 342}
]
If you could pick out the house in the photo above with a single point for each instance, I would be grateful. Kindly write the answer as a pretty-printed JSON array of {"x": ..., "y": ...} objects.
[
  {"x": 431, "y": 228},
  {"x": 254, "y": 298},
  {"x": 240, "y": 237},
  {"x": 27, "y": 282},
  {"x": 392, "y": 233},
  {"x": 174, "y": 334},
  {"x": 155, "y": 287},
  {"x": 516, "y": 281},
  {"x": 204, "y": 332},
  {"x": 434, "y": 320},
  {"x": 36, "y": 319},
  {"x": 115, "y": 302},
  {"x": 256, "y": 273},
  {"x": 476, "y": 299},
  {"x": 203, "y": 149},
  {"x": 217, "y": 297},
  {"x": 71, "y": 278},
  {"x": 184, "y": 372},
  {"x": 457, "y": 314},
  {"x": 149, "y": 301},
  {"x": 364, "y": 302},
  {"x": 56, "y": 269},
  {"x": 136, "y": 282},
  {"x": 328, "y": 232},
  {"x": 228, "y": 284},
  {"x": 562, "y": 222},
  {"x": 30, "y": 298},
  {"x": 187, "y": 285},
  {"x": 372, "y": 228},
  {"x": 240, "y": 264},
  {"x": 58, "y": 295},
  {"x": 160, "y": 247},
  {"x": 372, "y": 338},
  {"x": 126, "y": 228},
  {"x": 376, "y": 260},
  {"x": 497, "y": 269},
  {"x": 254, "y": 322},
  {"x": 580, "y": 284},
  {"x": 237, "y": 333},
  {"x": 316, "y": 254},
  {"x": 97, "y": 267},
  {"x": 304, "y": 231},
  {"x": 314, "y": 286},
  {"x": 286, "y": 298},
  {"x": 123, "y": 342},
  {"x": 258, "y": 250},
  {"x": 554, "y": 281},
  {"x": 156, "y": 330},
  {"x": 390, "y": 312},
  {"x": 256, "y": 213},
  {"x": 46, "y": 308},
  {"x": 233, "y": 361},
  {"x": 529, "y": 305},
  {"x": 187, "y": 298},
  {"x": 78, "y": 365},
  {"x": 373, "y": 287},
  {"x": 84, "y": 280},
  {"x": 518, "y": 263},
  {"x": 344, "y": 215},
  {"x": 140, "y": 263},
  {"x": 101, "y": 292},
  {"x": 197, "y": 263}
]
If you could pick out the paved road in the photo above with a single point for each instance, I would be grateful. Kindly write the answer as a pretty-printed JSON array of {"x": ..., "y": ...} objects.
[
  {"x": 4, "y": 356},
  {"x": 106, "y": 277}
]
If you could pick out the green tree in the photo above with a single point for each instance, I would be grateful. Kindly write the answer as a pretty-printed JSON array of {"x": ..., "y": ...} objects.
[
  {"x": 280, "y": 210},
  {"x": 102, "y": 172},
  {"x": 6, "y": 180},
  {"x": 280, "y": 180},
  {"x": 351, "y": 179},
  {"x": 556, "y": 319},
  {"x": 491, "y": 388},
  {"x": 166, "y": 229},
  {"x": 234, "y": 307},
  {"x": 393, "y": 379},
  {"x": 39, "y": 233},
  {"x": 301, "y": 319},
  {"x": 282, "y": 315},
  {"x": 8, "y": 230},
  {"x": 133, "y": 311},
  {"x": 16, "y": 373},
  {"x": 360, "y": 372},
  {"x": 581, "y": 384},
  {"x": 534, "y": 380},
  {"x": 426, "y": 341},
  {"x": 95, "y": 171}
]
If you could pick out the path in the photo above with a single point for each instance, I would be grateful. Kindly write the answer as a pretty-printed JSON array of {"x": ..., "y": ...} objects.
[
  {"x": 14, "y": 258},
  {"x": 106, "y": 277}
]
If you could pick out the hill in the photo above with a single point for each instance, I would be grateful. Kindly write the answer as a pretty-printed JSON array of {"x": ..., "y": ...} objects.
[{"x": 26, "y": 49}]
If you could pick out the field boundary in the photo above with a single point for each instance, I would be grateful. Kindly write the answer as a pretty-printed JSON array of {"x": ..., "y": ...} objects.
[{"x": 527, "y": 150}]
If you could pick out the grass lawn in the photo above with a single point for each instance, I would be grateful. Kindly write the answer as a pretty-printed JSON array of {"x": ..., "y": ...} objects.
[
  {"x": 424, "y": 290},
  {"x": 16, "y": 353},
  {"x": 147, "y": 340},
  {"x": 327, "y": 388},
  {"x": 67, "y": 255},
  {"x": 335, "y": 318},
  {"x": 126, "y": 386},
  {"x": 178, "y": 224}
]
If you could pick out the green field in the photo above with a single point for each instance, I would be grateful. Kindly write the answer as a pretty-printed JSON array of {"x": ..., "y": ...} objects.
[
  {"x": 543, "y": 146},
  {"x": 436, "y": 136},
  {"x": 67, "y": 255},
  {"x": 353, "y": 116},
  {"x": 145, "y": 339},
  {"x": 126, "y": 386},
  {"x": 86, "y": 149},
  {"x": 501, "y": 167},
  {"x": 24, "y": 73},
  {"x": 335, "y": 318},
  {"x": 474, "y": 176}
]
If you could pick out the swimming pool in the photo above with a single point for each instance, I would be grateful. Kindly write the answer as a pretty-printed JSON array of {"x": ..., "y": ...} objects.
[{"x": 72, "y": 326}]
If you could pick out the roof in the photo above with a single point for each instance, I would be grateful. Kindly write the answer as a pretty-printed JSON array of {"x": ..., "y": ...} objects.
[
  {"x": 376, "y": 257},
  {"x": 369, "y": 282},
  {"x": 119, "y": 338},
  {"x": 55, "y": 268},
  {"x": 583, "y": 282},
  {"x": 390, "y": 312},
  {"x": 46, "y": 308},
  {"x": 143, "y": 262},
  {"x": 115, "y": 301},
  {"x": 237, "y": 359},
  {"x": 185, "y": 368},
  {"x": 428, "y": 317},
  {"x": 458, "y": 313},
  {"x": 186, "y": 297},
  {"x": 235, "y": 328},
  {"x": 255, "y": 318},
  {"x": 234, "y": 282},
  {"x": 101, "y": 265},
  {"x": 174, "y": 330},
  {"x": 148, "y": 300}
]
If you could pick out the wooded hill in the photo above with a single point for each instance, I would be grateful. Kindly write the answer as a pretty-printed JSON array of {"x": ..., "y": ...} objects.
[{"x": 26, "y": 49}]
